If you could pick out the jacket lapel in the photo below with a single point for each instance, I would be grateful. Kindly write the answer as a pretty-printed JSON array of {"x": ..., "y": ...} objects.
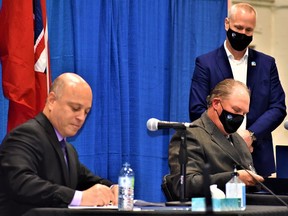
[
  {"x": 219, "y": 139},
  {"x": 223, "y": 63},
  {"x": 251, "y": 69},
  {"x": 229, "y": 149},
  {"x": 53, "y": 140}
]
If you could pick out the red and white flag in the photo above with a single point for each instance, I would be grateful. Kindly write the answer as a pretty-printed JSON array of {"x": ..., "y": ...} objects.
[{"x": 24, "y": 57}]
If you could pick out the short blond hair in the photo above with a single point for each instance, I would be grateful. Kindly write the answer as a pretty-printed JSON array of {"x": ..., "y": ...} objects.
[{"x": 244, "y": 6}]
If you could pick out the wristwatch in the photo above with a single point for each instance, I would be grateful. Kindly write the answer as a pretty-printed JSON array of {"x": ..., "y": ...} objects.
[{"x": 252, "y": 135}]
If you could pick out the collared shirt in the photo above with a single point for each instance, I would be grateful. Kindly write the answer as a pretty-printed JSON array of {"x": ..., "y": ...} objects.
[
  {"x": 239, "y": 70},
  {"x": 59, "y": 136},
  {"x": 78, "y": 194}
]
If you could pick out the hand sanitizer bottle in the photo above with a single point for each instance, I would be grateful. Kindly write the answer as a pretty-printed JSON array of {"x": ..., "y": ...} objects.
[{"x": 235, "y": 188}]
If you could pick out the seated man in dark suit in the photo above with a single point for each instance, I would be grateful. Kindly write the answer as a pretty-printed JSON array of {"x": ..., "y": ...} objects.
[
  {"x": 38, "y": 168},
  {"x": 212, "y": 140}
]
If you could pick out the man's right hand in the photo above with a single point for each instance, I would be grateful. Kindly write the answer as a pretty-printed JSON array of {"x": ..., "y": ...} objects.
[
  {"x": 248, "y": 179},
  {"x": 97, "y": 195}
]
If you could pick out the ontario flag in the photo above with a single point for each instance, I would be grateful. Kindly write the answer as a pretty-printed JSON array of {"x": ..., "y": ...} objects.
[{"x": 24, "y": 57}]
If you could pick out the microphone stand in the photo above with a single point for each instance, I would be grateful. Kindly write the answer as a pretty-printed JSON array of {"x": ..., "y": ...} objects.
[{"x": 183, "y": 162}]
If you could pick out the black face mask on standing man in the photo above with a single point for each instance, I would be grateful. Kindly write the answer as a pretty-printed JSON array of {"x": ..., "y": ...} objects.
[{"x": 237, "y": 40}]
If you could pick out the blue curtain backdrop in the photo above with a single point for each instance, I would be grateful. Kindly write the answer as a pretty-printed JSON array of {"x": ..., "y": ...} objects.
[{"x": 138, "y": 56}]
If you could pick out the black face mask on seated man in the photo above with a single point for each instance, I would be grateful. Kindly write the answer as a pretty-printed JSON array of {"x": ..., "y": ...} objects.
[
  {"x": 237, "y": 40},
  {"x": 230, "y": 121}
]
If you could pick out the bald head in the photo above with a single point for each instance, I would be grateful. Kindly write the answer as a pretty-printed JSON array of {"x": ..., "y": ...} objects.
[
  {"x": 68, "y": 103},
  {"x": 67, "y": 80}
]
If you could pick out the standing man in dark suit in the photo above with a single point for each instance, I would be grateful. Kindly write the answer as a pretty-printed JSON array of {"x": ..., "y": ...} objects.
[
  {"x": 212, "y": 140},
  {"x": 38, "y": 168},
  {"x": 258, "y": 71}
]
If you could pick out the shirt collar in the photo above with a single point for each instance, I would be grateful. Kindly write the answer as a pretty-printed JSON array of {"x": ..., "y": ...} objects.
[
  {"x": 59, "y": 136},
  {"x": 230, "y": 56}
]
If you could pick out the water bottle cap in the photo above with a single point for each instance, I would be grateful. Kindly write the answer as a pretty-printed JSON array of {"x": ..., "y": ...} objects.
[{"x": 126, "y": 164}]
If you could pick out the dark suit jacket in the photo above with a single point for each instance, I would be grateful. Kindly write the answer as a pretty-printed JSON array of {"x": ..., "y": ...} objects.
[
  {"x": 267, "y": 105},
  {"x": 206, "y": 145},
  {"x": 33, "y": 170}
]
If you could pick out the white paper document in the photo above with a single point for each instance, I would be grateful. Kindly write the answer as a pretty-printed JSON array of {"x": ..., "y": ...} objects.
[{"x": 94, "y": 207}]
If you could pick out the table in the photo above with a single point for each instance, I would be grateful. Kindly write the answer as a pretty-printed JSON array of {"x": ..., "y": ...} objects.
[
  {"x": 250, "y": 210},
  {"x": 265, "y": 199},
  {"x": 257, "y": 204}
]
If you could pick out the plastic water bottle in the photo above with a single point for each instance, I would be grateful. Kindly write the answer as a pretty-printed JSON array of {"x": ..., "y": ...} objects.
[
  {"x": 126, "y": 188},
  {"x": 235, "y": 188}
]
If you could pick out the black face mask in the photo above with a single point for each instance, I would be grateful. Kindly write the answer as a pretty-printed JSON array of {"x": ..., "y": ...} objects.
[
  {"x": 230, "y": 121},
  {"x": 237, "y": 40}
]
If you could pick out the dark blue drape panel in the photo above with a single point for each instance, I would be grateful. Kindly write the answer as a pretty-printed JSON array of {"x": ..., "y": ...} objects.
[
  {"x": 197, "y": 28},
  {"x": 138, "y": 56}
]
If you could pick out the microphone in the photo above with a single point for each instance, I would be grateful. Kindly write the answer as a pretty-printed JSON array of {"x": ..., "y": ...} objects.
[
  {"x": 154, "y": 124},
  {"x": 286, "y": 124}
]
